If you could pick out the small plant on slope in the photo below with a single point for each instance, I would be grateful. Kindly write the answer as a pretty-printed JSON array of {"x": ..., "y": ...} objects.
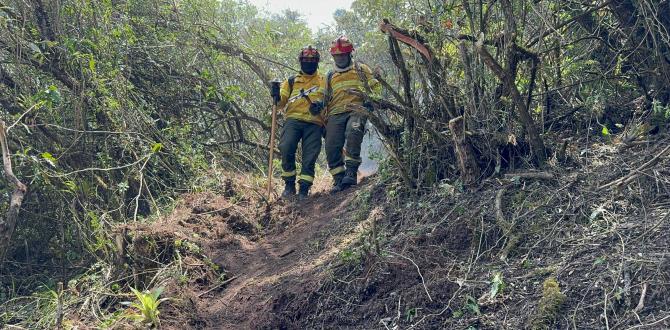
[{"x": 147, "y": 304}]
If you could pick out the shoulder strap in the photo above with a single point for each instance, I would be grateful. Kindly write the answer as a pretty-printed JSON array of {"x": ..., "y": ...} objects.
[
  {"x": 291, "y": 81},
  {"x": 329, "y": 89}
]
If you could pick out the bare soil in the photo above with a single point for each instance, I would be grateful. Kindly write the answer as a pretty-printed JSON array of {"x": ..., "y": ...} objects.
[
  {"x": 269, "y": 254},
  {"x": 376, "y": 257}
]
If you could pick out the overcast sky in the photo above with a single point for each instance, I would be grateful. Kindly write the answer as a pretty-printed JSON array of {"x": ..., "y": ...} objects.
[{"x": 315, "y": 12}]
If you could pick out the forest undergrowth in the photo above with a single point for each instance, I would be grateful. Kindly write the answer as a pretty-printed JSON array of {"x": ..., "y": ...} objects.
[
  {"x": 561, "y": 248},
  {"x": 523, "y": 181}
]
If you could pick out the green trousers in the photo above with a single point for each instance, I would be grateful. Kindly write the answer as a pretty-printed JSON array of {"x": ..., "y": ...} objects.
[
  {"x": 345, "y": 130},
  {"x": 293, "y": 132}
]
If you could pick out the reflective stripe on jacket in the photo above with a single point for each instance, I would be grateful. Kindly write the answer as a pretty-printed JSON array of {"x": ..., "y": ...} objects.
[
  {"x": 299, "y": 109},
  {"x": 350, "y": 79}
]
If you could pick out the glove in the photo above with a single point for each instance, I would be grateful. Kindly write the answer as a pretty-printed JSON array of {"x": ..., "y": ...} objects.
[
  {"x": 315, "y": 108},
  {"x": 274, "y": 92},
  {"x": 368, "y": 105}
]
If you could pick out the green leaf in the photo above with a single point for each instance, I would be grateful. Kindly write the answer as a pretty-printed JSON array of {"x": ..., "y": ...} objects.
[
  {"x": 156, "y": 147},
  {"x": 91, "y": 64},
  {"x": 52, "y": 95},
  {"x": 472, "y": 306},
  {"x": 155, "y": 293},
  {"x": 49, "y": 158},
  {"x": 71, "y": 186},
  {"x": 497, "y": 285},
  {"x": 605, "y": 131}
]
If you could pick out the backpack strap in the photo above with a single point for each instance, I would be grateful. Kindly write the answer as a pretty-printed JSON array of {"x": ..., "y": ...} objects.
[
  {"x": 328, "y": 93},
  {"x": 291, "y": 81}
]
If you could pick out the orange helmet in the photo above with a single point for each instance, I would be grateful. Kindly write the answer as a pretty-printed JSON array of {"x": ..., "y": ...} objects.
[
  {"x": 341, "y": 45},
  {"x": 309, "y": 54}
]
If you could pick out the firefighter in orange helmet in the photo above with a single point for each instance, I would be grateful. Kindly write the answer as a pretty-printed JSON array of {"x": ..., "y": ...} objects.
[{"x": 344, "y": 128}]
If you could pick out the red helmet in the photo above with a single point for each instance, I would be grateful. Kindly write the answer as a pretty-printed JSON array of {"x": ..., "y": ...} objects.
[
  {"x": 341, "y": 45},
  {"x": 309, "y": 54}
]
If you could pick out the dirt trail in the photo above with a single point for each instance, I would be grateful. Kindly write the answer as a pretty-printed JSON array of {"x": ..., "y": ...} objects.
[{"x": 266, "y": 270}]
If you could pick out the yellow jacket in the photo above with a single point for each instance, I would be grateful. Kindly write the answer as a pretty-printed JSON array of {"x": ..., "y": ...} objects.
[
  {"x": 299, "y": 109},
  {"x": 349, "y": 79}
]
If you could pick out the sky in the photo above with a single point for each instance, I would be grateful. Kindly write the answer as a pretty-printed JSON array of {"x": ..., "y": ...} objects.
[{"x": 315, "y": 12}]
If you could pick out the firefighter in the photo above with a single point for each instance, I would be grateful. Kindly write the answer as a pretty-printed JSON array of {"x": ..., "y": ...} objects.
[
  {"x": 345, "y": 129},
  {"x": 302, "y": 96}
]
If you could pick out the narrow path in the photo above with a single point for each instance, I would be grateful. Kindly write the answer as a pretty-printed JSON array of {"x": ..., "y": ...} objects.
[{"x": 282, "y": 263}]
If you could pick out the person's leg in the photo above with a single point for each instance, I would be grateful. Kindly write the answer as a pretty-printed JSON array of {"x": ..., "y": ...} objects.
[
  {"x": 354, "y": 133},
  {"x": 311, "y": 147},
  {"x": 288, "y": 144},
  {"x": 335, "y": 129}
]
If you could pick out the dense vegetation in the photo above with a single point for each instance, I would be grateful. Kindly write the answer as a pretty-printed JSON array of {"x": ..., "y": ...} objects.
[{"x": 115, "y": 108}]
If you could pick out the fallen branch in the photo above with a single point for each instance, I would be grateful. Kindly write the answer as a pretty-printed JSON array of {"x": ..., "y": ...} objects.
[
  {"x": 628, "y": 178},
  {"x": 640, "y": 304},
  {"x": 8, "y": 224},
  {"x": 650, "y": 324},
  {"x": 217, "y": 286},
  {"x": 530, "y": 175}
]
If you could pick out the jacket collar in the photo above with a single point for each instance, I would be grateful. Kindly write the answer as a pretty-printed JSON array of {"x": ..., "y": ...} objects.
[
  {"x": 304, "y": 77},
  {"x": 351, "y": 65}
]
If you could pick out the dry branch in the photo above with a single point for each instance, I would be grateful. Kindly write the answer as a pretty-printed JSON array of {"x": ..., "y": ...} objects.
[
  {"x": 530, "y": 175},
  {"x": 411, "y": 39},
  {"x": 640, "y": 303},
  {"x": 634, "y": 173},
  {"x": 8, "y": 224},
  {"x": 535, "y": 140}
]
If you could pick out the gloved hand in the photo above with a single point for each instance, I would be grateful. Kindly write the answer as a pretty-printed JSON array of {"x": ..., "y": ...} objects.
[
  {"x": 274, "y": 92},
  {"x": 368, "y": 105},
  {"x": 315, "y": 108}
]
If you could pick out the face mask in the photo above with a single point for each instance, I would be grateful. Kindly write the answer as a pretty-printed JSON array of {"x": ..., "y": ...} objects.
[
  {"x": 342, "y": 61},
  {"x": 309, "y": 67}
]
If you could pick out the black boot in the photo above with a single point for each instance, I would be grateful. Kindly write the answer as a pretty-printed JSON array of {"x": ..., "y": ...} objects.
[
  {"x": 350, "y": 176},
  {"x": 304, "y": 190},
  {"x": 348, "y": 180},
  {"x": 289, "y": 190},
  {"x": 337, "y": 179}
]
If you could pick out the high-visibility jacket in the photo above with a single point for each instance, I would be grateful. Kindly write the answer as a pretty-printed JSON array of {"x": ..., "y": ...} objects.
[
  {"x": 299, "y": 109},
  {"x": 350, "y": 78}
]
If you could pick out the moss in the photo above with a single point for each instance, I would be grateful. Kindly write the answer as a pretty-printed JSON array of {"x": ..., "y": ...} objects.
[
  {"x": 511, "y": 245},
  {"x": 549, "y": 306}
]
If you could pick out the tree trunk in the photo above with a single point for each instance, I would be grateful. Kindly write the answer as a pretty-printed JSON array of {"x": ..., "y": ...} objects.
[
  {"x": 466, "y": 159},
  {"x": 8, "y": 224}
]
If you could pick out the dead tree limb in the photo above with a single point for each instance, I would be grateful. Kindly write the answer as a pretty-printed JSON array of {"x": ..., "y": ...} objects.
[
  {"x": 403, "y": 111},
  {"x": 234, "y": 51},
  {"x": 413, "y": 40},
  {"x": 473, "y": 99},
  {"x": 531, "y": 175},
  {"x": 393, "y": 92},
  {"x": 535, "y": 140},
  {"x": 8, "y": 224}
]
